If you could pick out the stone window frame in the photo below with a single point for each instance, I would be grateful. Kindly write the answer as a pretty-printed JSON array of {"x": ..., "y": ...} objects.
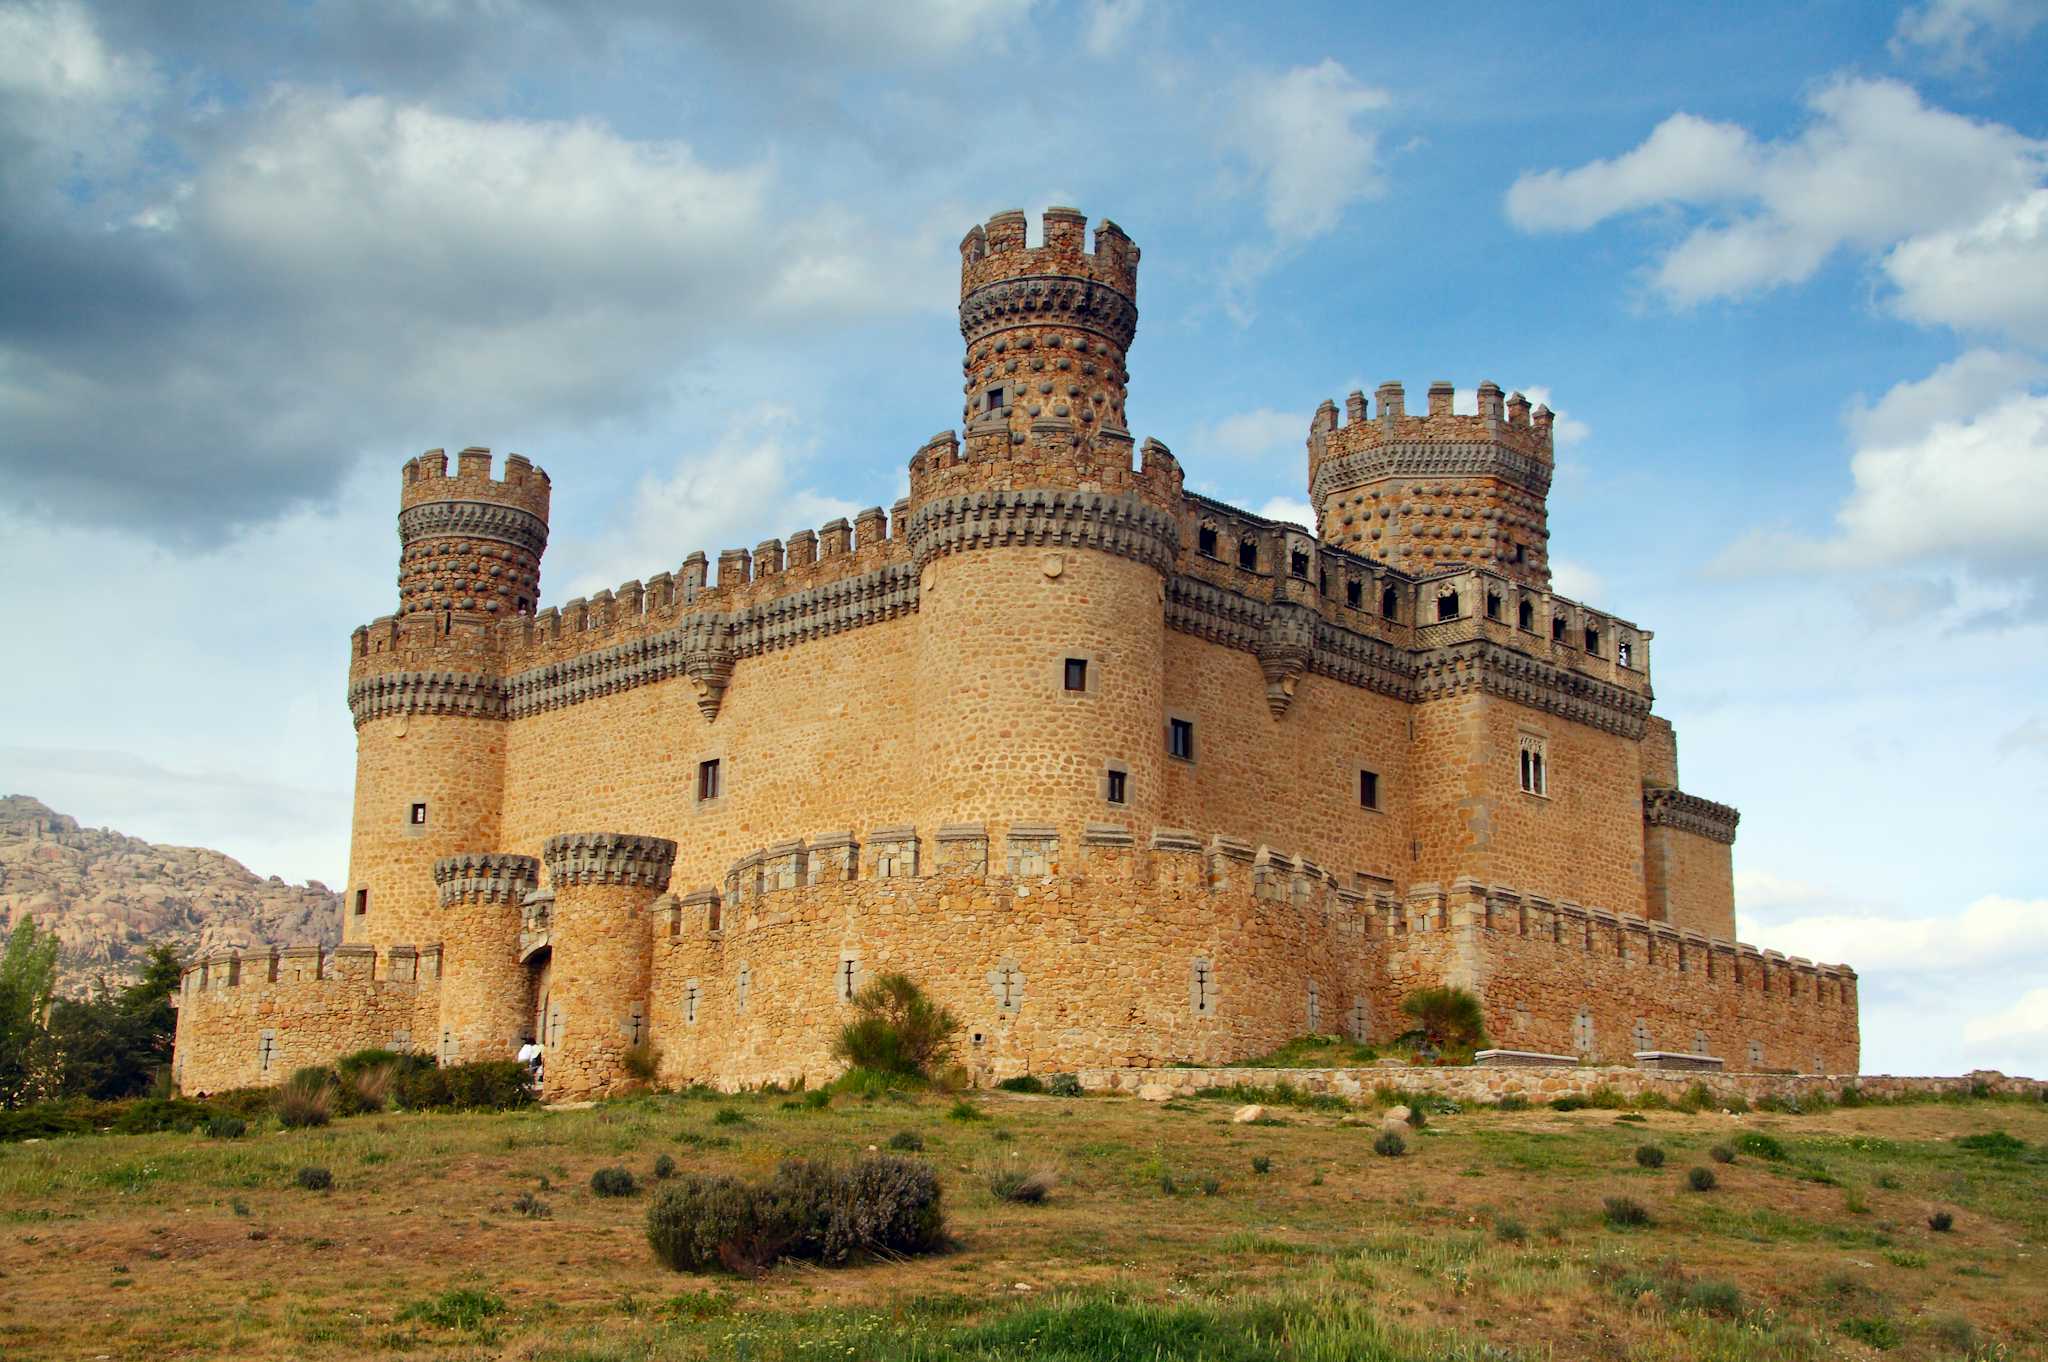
[
  {"x": 699, "y": 803},
  {"x": 1358, "y": 1020},
  {"x": 1700, "y": 1044},
  {"x": 407, "y": 805},
  {"x": 693, "y": 994},
  {"x": 1007, "y": 976},
  {"x": 1194, "y": 755},
  {"x": 416, "y": 813},
  {"x": 1532, "y": 754},
  {"x": 1213, "y": 533},
  {"x": 1640, "y": 1034},
  {"x": 1756, "y": 1054},
  {"x": 1315, "y": 1008},
  {"x": 1093, "y": 674},
  {"x": 1115, "y": 767},
  {"x": 362, "y": 900},
  {"x": 266, "y": 1050},
  {"x": 1379, "y": 793},
  {"x": 742, "y": 985},
  {"x": 1202, "y": 986},
  {"x": 1584, "y": 1034},
  {"x": 847, "y": 982}
]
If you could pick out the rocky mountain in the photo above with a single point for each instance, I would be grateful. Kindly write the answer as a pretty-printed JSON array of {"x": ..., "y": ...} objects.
[{"x": 110, "y": 897}]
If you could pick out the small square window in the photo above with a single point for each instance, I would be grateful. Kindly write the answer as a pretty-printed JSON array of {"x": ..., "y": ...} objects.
[
  {"x": 709, "y": 782},
  {"x": 1368, "y": 789},
  {"x": 1180, "y": 739},
  {"x": 1535, "y": 779},
  {"x": 1077, "y": 673},
  {"x": 1447, "y": 605},
  {"x": 362, "y": 902},
  {"x": 418, "y": 817},
  {"x": 994, "y": 400},
  {"x": 1115, "y": 786}
]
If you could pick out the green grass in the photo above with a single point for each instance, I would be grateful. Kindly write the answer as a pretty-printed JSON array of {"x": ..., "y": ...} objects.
[{"x": 1314, "y": 1052}]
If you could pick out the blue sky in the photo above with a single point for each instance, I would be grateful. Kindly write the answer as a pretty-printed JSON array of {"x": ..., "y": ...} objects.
[{"x": 1783, "y": 274}]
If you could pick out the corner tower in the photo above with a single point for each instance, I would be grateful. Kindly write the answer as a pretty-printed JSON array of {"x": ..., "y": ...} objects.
[
  {"x": 1435, "y": 491},
  {"x": 471, "y": 543},
  {"x": 1041, "y": 545}
]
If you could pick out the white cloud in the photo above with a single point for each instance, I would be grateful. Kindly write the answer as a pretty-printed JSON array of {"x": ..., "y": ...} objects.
[
  {"x": 1300, "y": 133},
  {"x": 1109, "y": 22},
  {"x": 1950, "y": 467},
  {"x": 52, "y": 51},
  {"x": 1566, "y": 431},
  {"x": 1941, "y": 198},
  {"x": 732, "y": 495},
  {"x": 1953, "y": 34},
  {"x": 1289, "y": 509},
  {"x": 1576, "y": 581},
  {"x": 1992, "y": 930},
  {"x": 1261, "y": 433},
  {"x": 2026, "y": 1021}
]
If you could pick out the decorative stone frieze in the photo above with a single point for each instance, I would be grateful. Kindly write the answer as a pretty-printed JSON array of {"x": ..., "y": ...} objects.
[
  {"x": 1046, "y": 518},
  {"x": 1424, "y": 459},
  {"x": 458, "y": 693},
  {"x": 474, "y": 520},
  {"x": 1481, "y": 666},
  {"x": 608, "y": 858},
  {"x": 1037, "y": 299},
  {"x": 1690, "y": 813},
  {"x": 1286, "y": 647},
  {"x": 494, "y": 877}
]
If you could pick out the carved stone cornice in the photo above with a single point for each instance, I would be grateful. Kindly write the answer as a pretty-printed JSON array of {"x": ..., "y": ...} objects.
[
  {"x": 465, "y": 694},
  {"x": 1423, "y": 459},
  {"x": 1044, "y": 517},
  {"x": 1035, "y": 299},
  {"x": 1286, "y": 646},
  {"x": 1477, "y": 665},
  {"x": 474, "y": 520},
  {"x": 493, "y": 876},
  {"x": 1274, "y": 630},
  {"x": 1690, "y": 813},
  {"x": 575, "y": 858}
]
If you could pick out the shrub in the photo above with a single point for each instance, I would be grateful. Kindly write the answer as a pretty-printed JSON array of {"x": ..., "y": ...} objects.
[
  {"x": 1695, "y": 1099},
  {"x": 1211, "y": 1186},
  {"x": 642, "y": 1061},
  {"x": 226, "y": 1126},
  {"x": 1760, "y": 1145},
  {"x": 1514, "y": 1101},
  {"x": 964, "y": 1110},
  {"x": 1875, "y": 1331},
  {"x": 1649, "y": 1156},
  {"x": 306, "y": 1100},
  {"x": 1020, "y": 1184},
  {"x": 613, "y": 1182},
  {"x": 699, "y": 1222},
  {"x": 488, "y": 1085},
  {"x": 1721, "y": 1153},
  {"x": 907, "y": 1140},
  {"x": 1571, "y": 1102},
  {"x": 1390, "y": 1144},
  {"x": 818, "y": 1100},
  {"x": 880, "y": 1204},
  {"x": 532, "y": 1207},
  {"x": 1701, "y": 1179},
  {"x": 1632, "y": 1118},
  {"x": 463, "y": 1308},
  {"x": 1996, "y": 1143},
  {"x": 1509, "y": 1230},
  {"x": 1711, "y": 1297},
  {"x": 1941, "y": 1222},
  {"x": 315, "y": 1178},
  {"x": 1623, "y": 1212},
  {"x": 1022, "y": 1083},
  {"x": 1955, "y": 1332},
  {"x": 664, "y": 1167},
  {"x": 1063, "y": 1085},
  {"x": 898, "y": 1029},
  {"x": 1261, "y": 1164},
  {"x": 1446, "y": 1019},
  {"x": 728, "y": 1116},
  {"x": 149, "y": 1115}
]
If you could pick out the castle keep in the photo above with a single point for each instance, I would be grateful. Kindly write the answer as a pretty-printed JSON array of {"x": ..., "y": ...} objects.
[{"x": 1121, "y": 774}]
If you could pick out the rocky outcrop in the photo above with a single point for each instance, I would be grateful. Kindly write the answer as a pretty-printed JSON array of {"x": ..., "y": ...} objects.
[{"x": 110, "y": 897}]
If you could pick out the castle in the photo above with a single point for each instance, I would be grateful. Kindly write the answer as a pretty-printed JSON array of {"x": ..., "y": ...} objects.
[{"x": 1119, "y": 773}]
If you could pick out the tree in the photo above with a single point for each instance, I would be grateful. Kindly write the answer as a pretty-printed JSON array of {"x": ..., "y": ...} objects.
[
  {"x": 1445, "y": 1019},
  {"x": 28, "y": 977},
  {"x": 113, "y": 1045},
  {"x": 899, "y": 1030}
]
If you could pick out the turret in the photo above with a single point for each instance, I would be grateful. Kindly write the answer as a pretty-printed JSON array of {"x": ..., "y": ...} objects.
[
  {"x": 469, "y": 543},
  {"x": 1435, "y": 490}
]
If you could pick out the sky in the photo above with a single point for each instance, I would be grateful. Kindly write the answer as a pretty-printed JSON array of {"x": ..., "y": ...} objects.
[{"x": 1782, "y": 271}]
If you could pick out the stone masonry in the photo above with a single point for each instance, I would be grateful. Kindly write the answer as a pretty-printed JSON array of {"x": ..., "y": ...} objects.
[{"x": 1036, "y": 735}]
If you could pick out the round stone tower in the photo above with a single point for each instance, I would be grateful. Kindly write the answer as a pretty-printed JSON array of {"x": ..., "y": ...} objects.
[
  {"x": 602, "y": 943},
  {"x": 1041, "y": 550},
  {"x": 424, "y": 688},
  {"x": 471, "y": 543},
  {"x": 486, "y": 1002}
]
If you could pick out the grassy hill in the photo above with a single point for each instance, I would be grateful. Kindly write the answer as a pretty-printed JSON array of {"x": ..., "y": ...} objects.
[{"x": 473, "y": 1236}]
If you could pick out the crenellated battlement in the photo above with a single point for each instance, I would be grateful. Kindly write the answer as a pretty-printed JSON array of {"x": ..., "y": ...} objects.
[
  {"x": 289, "y": 966},
  {"x": 427, "y": 479},
  {"x": 998, "y": 251},
  {"x": 470, "y": 544},
  {"x": 1507, "y": 421}
]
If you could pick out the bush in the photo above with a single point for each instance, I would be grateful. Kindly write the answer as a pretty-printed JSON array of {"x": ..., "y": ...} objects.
[
  {"x": 1695, "y": 1099},
  {"x": 306, "y": 1100},
  {"x": 1721, "y": 1153},
  {"x": 1390, "y": 1144},
  {"x": 907, "y": 1140},
  {"x": 728, "y": 1116},
  {"x": 642, "y": 1061},
  {"x": 486, "y": 1085},
  {"x": 1063, "y": 1085},
  {"x": 532, "y": 1207},
  {"x": 464, "y": 1308},
  {"x": 1759, "y": 1145},
  {"x": 1711, "y": 1297},
  {"x": 699, "y": 1222},
  {"x": 817, "y": 1101},
  {"x": 1996, "y": 1143},
  {"x": 1875, "y": 1331},
  {"x": 880, "y": 1204},
  {"x": 1941, "y": 1222},
  {"x": 1031, "y": 1185},
  {"x": 1701, "y": 1179},
  {"x": 1623, "y": 1212},
  {"x": 1261, "y": 1164},
  {"x": 964, "y": 1110},
  {"x": 1211, "y": 1186},
  {"x": 314, "y": 1178},
  {"x": 1649, "y": 1156},
  {"x": 664, "y": 1167},
  {"x": 1509, "y": 1230},
  {"x": 613, "y": 1182},
  {"x": 1022, "y": 1083},
  {"x": 1446, "y": 1019},
  {"x": 226, "y": 1126},
  {"x": 1514, "y": 1101},
  {"x": 150, "y": 1115},
  {"x": 899, "y": 1030}
]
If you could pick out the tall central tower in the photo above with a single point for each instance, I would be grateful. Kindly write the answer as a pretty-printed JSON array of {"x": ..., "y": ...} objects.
[{"x": 1041, "y": 549}]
